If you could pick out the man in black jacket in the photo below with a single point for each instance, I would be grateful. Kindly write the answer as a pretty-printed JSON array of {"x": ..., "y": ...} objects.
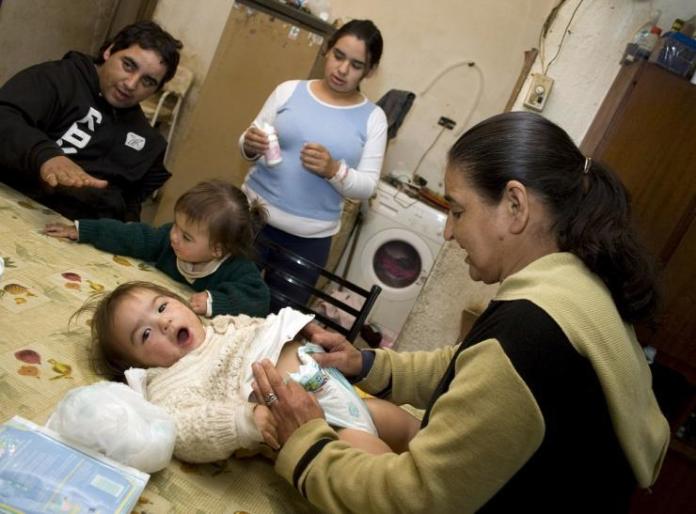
[{"x": 73, "y": 135}]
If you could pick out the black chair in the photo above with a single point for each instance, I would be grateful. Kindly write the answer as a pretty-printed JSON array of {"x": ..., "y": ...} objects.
[{"x": 283, "y": 271}]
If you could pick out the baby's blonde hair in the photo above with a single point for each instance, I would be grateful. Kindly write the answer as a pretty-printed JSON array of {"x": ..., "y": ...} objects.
[{"x": 107, "y": 358}]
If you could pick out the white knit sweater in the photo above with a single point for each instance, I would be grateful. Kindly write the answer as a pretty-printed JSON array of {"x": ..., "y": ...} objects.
[{"x": 207, "y": 390}]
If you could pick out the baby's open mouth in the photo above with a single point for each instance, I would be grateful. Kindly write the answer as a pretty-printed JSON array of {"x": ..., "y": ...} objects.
[{"x": 182, "y": 335}]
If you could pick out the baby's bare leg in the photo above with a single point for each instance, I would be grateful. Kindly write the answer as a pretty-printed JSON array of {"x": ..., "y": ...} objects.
[
  {"x": 363, "y": 441},
  {"x": 396, "y": 427}
]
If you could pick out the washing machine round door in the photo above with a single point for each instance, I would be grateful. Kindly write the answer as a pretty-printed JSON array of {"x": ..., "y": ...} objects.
[{"x": 398, "y": 261}]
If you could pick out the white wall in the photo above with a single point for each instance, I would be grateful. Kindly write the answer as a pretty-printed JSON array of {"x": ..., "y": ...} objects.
[
  {"x": 423, "y": 38},
  {"x": 198, "y": 25},
  {"x": 34, "y": 31},
  {"x": 589, "y": 58},
  {"x": 583, "y": 73}
]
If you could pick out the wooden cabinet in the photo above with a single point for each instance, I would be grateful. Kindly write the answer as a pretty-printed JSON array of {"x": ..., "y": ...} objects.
[{"x": 645, "y": 131}]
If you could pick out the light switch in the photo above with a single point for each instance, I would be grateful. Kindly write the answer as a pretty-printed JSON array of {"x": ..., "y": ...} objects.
[{"x": 538, "y": 93}]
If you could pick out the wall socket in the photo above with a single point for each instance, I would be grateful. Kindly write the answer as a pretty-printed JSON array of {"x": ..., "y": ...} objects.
[
  {"x": 538, "y": 93},
  {"x": 448, "y": 123}
]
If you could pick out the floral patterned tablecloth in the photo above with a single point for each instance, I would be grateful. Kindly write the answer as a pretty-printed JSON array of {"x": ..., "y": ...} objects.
[{"x": 42, "y": 356}]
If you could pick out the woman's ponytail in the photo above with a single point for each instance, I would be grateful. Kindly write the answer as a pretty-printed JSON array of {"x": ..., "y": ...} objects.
[
  {"x": 258, "y": 217},
  {"x": 596, "y": 226},
  {"x": 589, "y": 205}
]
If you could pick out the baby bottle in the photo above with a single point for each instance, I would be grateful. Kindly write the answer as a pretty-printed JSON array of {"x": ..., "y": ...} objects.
[{"x": 272, "y": 155}]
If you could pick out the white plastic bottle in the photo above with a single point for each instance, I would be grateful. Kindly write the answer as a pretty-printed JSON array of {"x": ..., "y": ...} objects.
[
  {"x": 319, "y": 8},
  {"x": 635, "y": 50},
  {"x": 647, "y": 44},
  {"x": 272, "y": 155}
]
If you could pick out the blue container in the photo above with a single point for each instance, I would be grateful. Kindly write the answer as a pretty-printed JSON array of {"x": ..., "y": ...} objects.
[{"x": 677, "y": 53}]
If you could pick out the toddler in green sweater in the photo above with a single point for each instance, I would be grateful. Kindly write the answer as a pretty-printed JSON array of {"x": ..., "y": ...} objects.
[{"x": 208, "y": 247}]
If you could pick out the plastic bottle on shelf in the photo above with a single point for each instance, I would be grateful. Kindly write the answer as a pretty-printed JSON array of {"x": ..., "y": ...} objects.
[
  {"x": 647, "y": 44},
  {"x": 677, "y": 25},
  {"x": 633, "y": 50},
  {"x": 272, "y": 155},
  {"x": 642, "y": 45},
  {"x": 319, "y": 8},
  {"x": 689, "y": 27}
]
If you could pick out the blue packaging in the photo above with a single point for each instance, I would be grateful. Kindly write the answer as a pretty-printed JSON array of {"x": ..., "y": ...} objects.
[{"x": 677, "y": 53}]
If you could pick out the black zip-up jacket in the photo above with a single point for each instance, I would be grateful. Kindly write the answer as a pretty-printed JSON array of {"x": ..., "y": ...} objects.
[{"x": 56, "y": 108}]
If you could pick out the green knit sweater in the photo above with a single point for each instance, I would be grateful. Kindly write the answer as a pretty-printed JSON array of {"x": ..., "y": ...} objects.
[{"x": 236, "y": 286}]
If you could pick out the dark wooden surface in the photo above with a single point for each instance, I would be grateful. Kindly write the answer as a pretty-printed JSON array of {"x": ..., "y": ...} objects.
[
  {"x": 674, "y": 491},
  {"x": 645, "y": 131}
]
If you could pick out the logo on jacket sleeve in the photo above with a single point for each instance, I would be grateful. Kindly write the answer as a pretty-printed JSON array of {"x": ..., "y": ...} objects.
[{"x": 135, "y": 141}]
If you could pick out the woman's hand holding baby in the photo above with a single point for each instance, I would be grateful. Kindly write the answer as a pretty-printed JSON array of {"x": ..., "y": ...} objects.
[
  {"x": 199, "y": 302},
  {"x": 289, "y": 403},
  {"x": 266, "y": 423},
  {"x": 340, "y": 353},
  {"x": 61, "y": 230}
]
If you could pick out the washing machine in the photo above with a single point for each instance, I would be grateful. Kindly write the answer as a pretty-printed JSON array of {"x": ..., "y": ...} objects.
[{"x": 398, "y": 242}]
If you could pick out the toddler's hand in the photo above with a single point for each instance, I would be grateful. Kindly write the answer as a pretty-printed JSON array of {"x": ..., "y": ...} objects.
[
  {"x": 266, "y": 423},
  {"x": 61, "y": 230},
  {"x": 199, "y": 302}
]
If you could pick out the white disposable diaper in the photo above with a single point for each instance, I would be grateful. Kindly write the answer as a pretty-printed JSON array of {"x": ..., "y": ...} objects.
[{"x": 342, "y": 405}]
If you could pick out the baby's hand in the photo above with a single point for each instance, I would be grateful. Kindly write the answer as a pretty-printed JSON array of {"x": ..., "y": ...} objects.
[
  {"x": 266, "y": 423},
  {"x": 199, "y": 302},
  {"x": 61, "y": 230}
]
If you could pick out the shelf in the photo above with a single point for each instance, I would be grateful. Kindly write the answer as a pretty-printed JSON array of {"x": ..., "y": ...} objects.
[
  {"x": 294, "y": 15},
  {"x": 678, "y": 365},
  {"x": 683, "y": 448}
]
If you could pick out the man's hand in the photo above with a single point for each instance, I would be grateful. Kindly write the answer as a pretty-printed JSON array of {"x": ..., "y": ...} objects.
[
  {"x": 61, "y": 230},
  {"x": 61, "y": 171},
  {"x": 199, "y": 302}
]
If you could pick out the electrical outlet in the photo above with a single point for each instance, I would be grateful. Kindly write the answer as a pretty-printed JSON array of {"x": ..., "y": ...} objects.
[
  {"x": 539, "y": 91},
  {"x": 446, "y": 122}
]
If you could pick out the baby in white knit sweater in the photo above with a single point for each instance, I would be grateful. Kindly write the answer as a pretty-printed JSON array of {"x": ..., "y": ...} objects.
[{"x": 201, "y": 374}]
